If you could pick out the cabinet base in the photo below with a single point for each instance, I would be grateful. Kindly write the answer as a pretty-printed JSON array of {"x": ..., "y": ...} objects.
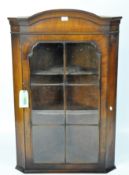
[{"x": 65, "y": 171}]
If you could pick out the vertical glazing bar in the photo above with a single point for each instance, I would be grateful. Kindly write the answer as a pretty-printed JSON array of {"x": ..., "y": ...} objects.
[{"x": 64, "y": 88}]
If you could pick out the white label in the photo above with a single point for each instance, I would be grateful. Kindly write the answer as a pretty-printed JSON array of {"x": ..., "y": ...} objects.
[
  {"x": 64, "y": 18},
  {"x": 23, "y": 99}
]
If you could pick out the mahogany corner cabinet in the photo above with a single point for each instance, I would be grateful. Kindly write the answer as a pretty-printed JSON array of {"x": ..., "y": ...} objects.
[{"x": 65, "y": 77}]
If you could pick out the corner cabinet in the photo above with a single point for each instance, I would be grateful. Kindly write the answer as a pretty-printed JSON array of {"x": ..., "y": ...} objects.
[{"x": 65, "y": 71}]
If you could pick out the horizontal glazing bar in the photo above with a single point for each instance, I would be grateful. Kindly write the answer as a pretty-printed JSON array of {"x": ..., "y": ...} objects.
[
  {"x": 64, "y": 124},
  {"x": 62, "y": 84}
]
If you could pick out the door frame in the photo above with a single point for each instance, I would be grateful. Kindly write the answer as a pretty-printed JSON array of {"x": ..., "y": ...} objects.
[{"x": 28, "y": 42}]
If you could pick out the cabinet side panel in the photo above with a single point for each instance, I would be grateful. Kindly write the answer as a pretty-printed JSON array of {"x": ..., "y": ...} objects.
[
  {"x": 111, "y": 100},
  {"x": 19, "y": 122}
]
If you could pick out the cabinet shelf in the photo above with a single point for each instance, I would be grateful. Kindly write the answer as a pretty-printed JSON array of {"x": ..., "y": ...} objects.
[
  {"x": 73, "y": 70},
  {"x": 48, "y": 84},
  {"x": 50, "y": 71},
  {"x": 64, "y": 84},
  {"x": 76, "y": 70}
]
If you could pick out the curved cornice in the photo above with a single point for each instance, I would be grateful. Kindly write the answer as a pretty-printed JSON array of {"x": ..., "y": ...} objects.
[{"x": 71, "y": 13}]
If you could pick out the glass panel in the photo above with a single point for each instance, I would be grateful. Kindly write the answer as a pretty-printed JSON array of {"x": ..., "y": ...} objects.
[
  {"x": 47, "y": 59},
  {"x": 82, "y": 58},
  {"x": 48, "y": 117},
  {"x": 81, "y": 117},
  {"x": 48, "y": 144},
  {"x": 82, "y": 63},
  {"x": 47, "y": 97},
  {"x": 51, "y": 79},
  {"x": 82, "y": 79},
  {"x": 82, "y": 97},
  {"x": 45, "y": 117},
  {"x": 82, "y": 144},
  {"x": 46, "y": 63}
]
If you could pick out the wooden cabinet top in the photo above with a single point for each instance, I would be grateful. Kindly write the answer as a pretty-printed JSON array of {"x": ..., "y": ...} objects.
[{"x": 64, "y": 21}]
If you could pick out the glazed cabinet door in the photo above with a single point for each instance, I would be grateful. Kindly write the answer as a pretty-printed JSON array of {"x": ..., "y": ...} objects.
[{"x": 65, "y": 97}]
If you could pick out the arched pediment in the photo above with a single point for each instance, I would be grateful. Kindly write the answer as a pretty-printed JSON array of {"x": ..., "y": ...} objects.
[{"x": 63, "y": 21}]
